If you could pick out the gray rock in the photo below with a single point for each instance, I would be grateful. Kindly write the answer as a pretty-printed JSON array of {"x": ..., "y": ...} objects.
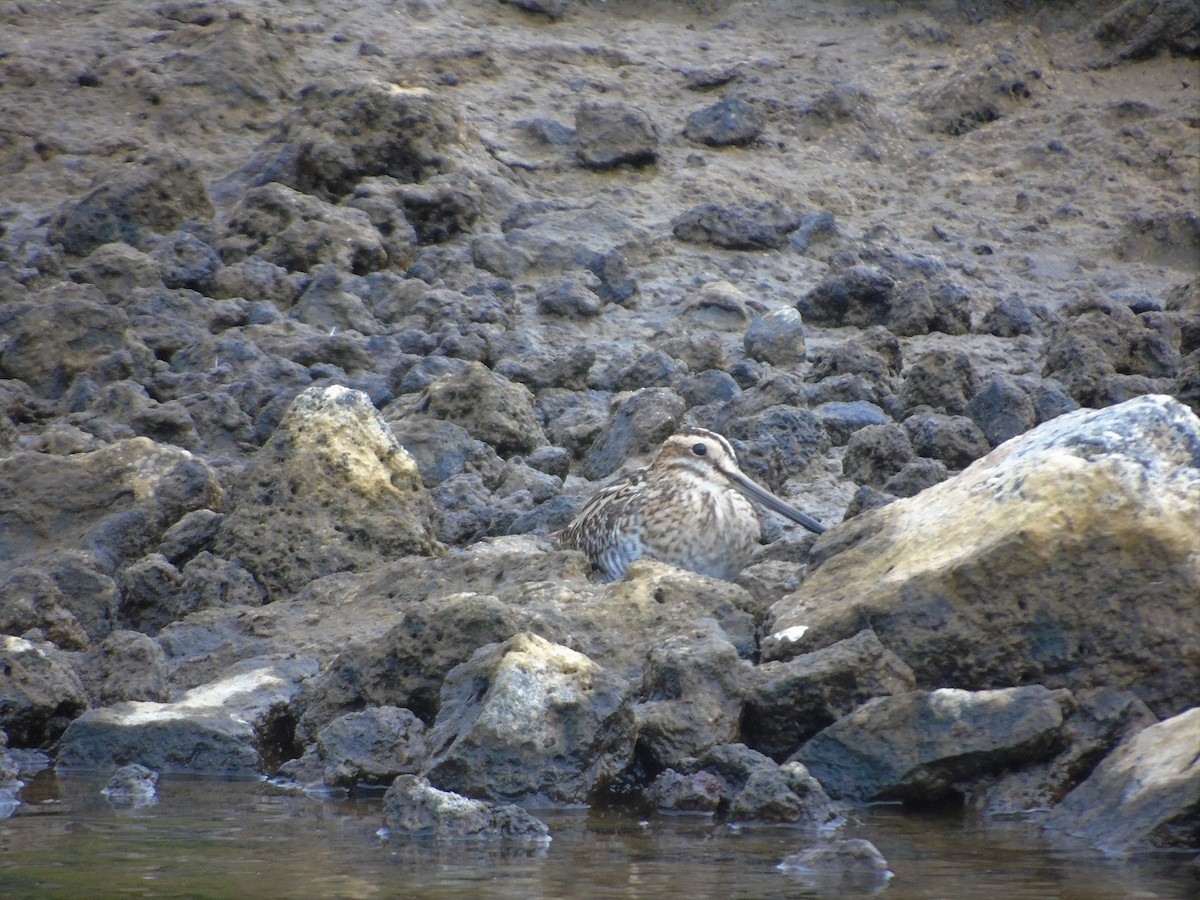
[
  {"x": 132, "y": 787},
  {"x": 876, "y": 453},
  {"x": 776, "y": 338},
  {"x": 776, "y": 443},
  {"x": 492, "y": 408},
  {"x": 690, "y": 697},
  {"x": 151, "y": 195},
  {"x": 1009, "y": 317},
  {"x": 700, "y": 792},
  {"x": 915, "y": 476},
  {"x": 569, "y": 297},
  {"x": 1144, "y": 796},
  {"x": 340, "y": 134},
  {"x": 186, "y": 261},
  {"x": 299, "y": 232},
  {"x": 228, "y": 727},
  {"x": 441, "y": 207},
  {"x": 925, "y": 744},
  {"x": 406, "y": 665},
  {"x": 552, "y": 355},
  {"x": 954, "y": 440},
  {"x": 412, "y": 807},
  {"x": 862, "y": 296},
  {"x": 612, "y": 134},
  {"x": 66, "y": 332},
  {"x": 841, "y": 418},
  {"x": 532, "y": 720},
  {"x": 373, "y": 746},
  {"x": 118, "y": 270},
  {"x": 32, "y": 603},
  {"x": 853, "y": 865},
  {"x": 551, "y": 9},
  {"x": 1002, "y": 409},
  {"x": 40, "y": 693},
  {"x": 126, "y": 665},
  {"x": 116, "y": 500},
  {"x": 640, "y": 425},
  {"x": 728, "y": 122},
  {"x": 759, "y": 226},
  {"x": 1041, "y": 522},
  {"x": 329, "y": 492},
  {"x": 755, "y": 789},
  {"x": 945, "y": 380},
  {"x": 788, "y": 702}
]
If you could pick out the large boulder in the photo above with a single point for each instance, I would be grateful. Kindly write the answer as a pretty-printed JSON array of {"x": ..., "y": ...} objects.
[
  {"x": 924, "y": 744},
  {"x": 489, "y": 406},
  {"x": 412, "y": 807},
  {"x": 1145, "y": 795},
  {"x": 331, "y": 491},
  {"x": 233, "y": 726},
  {"x": 1068, "y": 557},
  {"x": 530, "y": 720}
]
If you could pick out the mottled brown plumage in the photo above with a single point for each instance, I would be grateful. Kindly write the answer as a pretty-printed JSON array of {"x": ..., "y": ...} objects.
[{"x": 688, "y": 508}]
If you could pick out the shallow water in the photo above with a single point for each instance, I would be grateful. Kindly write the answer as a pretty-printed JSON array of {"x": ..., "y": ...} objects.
[{"x": 213, "y": 838}]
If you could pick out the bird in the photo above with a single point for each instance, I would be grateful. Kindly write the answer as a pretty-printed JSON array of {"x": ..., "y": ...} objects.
[{"x": 689, "y": 508}]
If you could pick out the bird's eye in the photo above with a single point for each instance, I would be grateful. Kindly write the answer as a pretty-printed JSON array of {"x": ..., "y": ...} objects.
[{"x": 699, "y": 449}]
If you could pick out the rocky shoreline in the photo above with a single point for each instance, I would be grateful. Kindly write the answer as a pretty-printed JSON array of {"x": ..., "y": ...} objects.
[{"x": 300, "y": 368}]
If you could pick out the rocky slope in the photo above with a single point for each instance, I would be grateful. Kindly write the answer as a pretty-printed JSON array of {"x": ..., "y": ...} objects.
[{"x": 316, "y": 319}]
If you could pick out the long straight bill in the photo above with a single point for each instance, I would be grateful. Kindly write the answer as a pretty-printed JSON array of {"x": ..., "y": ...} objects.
[{"x": 773, "y": 503}]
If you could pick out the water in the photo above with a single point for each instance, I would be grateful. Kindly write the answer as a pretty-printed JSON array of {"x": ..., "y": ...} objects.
[{"x": 214, "y": 838}]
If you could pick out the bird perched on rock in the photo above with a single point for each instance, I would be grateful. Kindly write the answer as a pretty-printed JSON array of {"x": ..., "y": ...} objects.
[{"x": 688, "y": 508}]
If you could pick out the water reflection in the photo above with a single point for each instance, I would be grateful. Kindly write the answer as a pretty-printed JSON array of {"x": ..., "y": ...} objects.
[{"x": 212, "y": 838}]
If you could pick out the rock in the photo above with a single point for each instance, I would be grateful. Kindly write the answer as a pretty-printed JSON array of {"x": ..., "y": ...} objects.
[
  {"x": 776, "y": 443},
  {"x": 570, "y": 297},
  {"x": 373, "y": 746},
  {"x": 876, "y": 453},
  {"x": 298, "y": 232},
  {"x": 233, "y": 726},
  {"x": 116, "y": 500},
  {"x": 1144, "y": 796},
  {"x": 154, "y": 194},
  {"x": 861, "y": 296},
  {"x": 943, "y": 379},
  {"x": 118, "y": 270},
  {"x": 531, "y": 720},
  {"x": 841, "y": 419},
  {"x": 924, "y": 744},
  {"x": 1009, "y": 317},
  {"x": 728, "y": 122},
  {"x": 672, "y": 792},
  {"x": 1084, "y": 533},
  {"x": 690, "y": 697},
  {"x": 405, "y": 666},
  {"x": 331, "y": 491},
  {"x": 30, "y": 599},
  {"x": 759, "y": 226},
  {"x": 612, "y": 134},
  {"x": 639, "y": 425},
  {"x": 552, "y": 355},
  {"x": 1139, "y": 29},
  {"x": 132, "y": 787},
  {"x": 66, "y": 332},
  {"x": 340, "y": 134},
  {"x": 126, "y": 665},
  {"x": 551, "y": 9},
  {"x": 186, "y": 261},
  {"x": 440, "y": 208},
  {"x": 40, "y": 693},
  {"x": 1103, "y": 718},
  {"x": 853, "y": 865},
  {"x": 954, "y": 440},
  {"x": 754, "y": 789},
  {"x": 489, "y": 406},
  {"x": 412, "y": 807},
  {"x": 1002, "y": 410},
  {"x": 788, "y": 702},
  {"x": 915, "y": 476},
  {"x": 776, "y": 338}
]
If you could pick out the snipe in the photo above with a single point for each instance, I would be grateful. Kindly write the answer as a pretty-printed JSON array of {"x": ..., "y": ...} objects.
[{"x": 689, "y": 508}]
